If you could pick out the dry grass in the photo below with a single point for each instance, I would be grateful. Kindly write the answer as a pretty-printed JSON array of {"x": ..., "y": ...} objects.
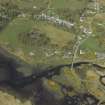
[{"x": 8, "y": 97}]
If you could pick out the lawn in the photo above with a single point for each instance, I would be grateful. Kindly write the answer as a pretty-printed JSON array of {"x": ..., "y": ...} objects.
[
  {"x": 92, "y": 44},
  {"x": 17, "y": 26},
  {"x": 76, "y": 4}
]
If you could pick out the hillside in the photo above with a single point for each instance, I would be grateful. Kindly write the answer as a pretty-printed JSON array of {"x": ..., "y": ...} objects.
[{"x": 47, "y": 33}]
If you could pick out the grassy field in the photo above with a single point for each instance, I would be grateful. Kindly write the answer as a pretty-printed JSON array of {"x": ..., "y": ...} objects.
[
  {"x": 76, "y": 4},
  {"x": 91, "y": 44},
  {"x": 98, "y": 24},
  {"x": 57, "y": 35},
  {"x": 12, "y": 30},
  {"x": 10, "y": 37}
]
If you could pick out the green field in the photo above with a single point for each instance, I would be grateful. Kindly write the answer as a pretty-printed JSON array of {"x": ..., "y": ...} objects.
[
  {"x": 76, "y": 4},
  {"x": 59, "y": 38},
  {"x": 12, "y": 30},
  {"x": 10, "y": 38}
]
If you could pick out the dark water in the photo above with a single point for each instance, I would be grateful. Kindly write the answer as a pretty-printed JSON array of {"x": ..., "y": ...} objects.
[{"x": 11, "y": 74}]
